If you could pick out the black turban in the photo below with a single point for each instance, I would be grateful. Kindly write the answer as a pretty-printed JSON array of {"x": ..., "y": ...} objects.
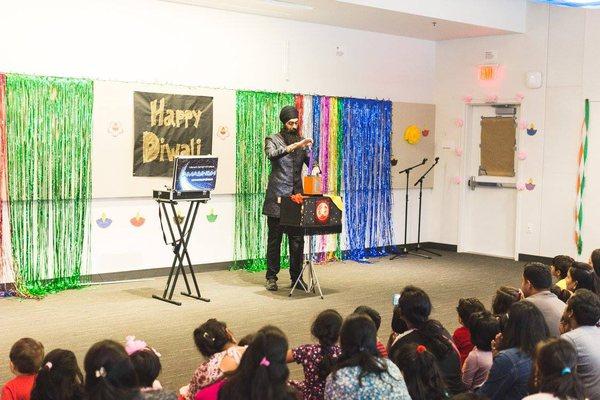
[{"x": 287, "y": 113}]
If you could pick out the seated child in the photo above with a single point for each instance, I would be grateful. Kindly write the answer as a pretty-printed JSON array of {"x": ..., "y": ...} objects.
[
  {"x": 462, "y": 335},
  {"x": 560, "y": 267},
  {"x": 59, "y": 378},
  {"x": 376, "y": 318},
  {"x": 484, "y": 327},
  {"x": 26, "y": 357}
]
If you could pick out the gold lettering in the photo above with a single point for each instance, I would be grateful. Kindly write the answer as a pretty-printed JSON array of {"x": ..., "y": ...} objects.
[
  {"x": 150, "y": 147},
  {"x": 169, "y": 118},
  {"x": 188, "y": 115},
  {"x": 157, "y": 112},
  {"x": 197, "y": 116},
  {"x": 185, "y": 150},
  {"x": 179, "y": 116},
  {"x": 199, "y": 142}
]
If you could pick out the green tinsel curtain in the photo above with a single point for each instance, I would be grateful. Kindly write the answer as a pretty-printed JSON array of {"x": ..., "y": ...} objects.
[
  {"x": 257, "y": 117},
  {"x": 49, "y": 128}
]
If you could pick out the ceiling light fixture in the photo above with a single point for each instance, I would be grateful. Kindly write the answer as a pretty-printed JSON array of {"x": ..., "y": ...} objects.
[
  {"x": 288, "y": 4},
  {"x": 572, "y": 3}
]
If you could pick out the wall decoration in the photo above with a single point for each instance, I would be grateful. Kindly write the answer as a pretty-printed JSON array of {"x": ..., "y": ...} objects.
[
  {"x": 6, "y": 274},
  {"x": 166, "y": 125},
  {"x": 412, "y": 134},
  {"x": 425, "y": 132},
  {"x": 531, "y": 129},
  {"x": 459, "y": 122},
  {"x": 522, "y": 125},
  {"x": 519, "y": 97},
  {"x": 582, "y": 158},
  {"x": 103, "y": 222},
  {"x": 520, "y": 186},
  {"x": 115, "y": 128},
  {"x": 458, "y": 151},
  {"x": 49, "y": 180},
  {"x": 457, "y": 180},
  {"x": 223, "y": 132},
  {"x": 521, "y": 155},
  {"x": 467, "y": 99},
  {"x": 394, "y": 162},
  {"x": 137, "y": 221},
  {"x": 492, "y": 98},
  {"x": 212, "y": 217},
  {"x": 530, "y": 185}
]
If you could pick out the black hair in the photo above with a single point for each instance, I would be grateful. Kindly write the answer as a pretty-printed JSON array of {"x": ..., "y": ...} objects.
[
  {"x": 484, "y": 327},
  {"x": 562, "y": 294},
  {"x": 415, "y": 307},
  {"x": 109, "y": 373},
  {"x": 326, "y": 328},
  {"x": 421, "y": 372},
  {"x": 505, "y": 296},
  {"x": 562, "y": 264},
  {"x": 468, "y": 396},
  {"x": 467, "y": 307},
  {"x": 211, "y": 337},
  {"x": 59, "y": 378},
  {"x": 525, "y": 328},
  {"x": 358, "y": 339},
  {"x": 585, "y": 306},
  {"x": 246, "y": 340},
  {"x": 595, "y": 259},
  {"x": 556, "y": 370},
  {"x": 147, "y": 366},
  {"x": 398, "y": 324},
  {"x": 584, "y": 275},
  {"x": 371, "y": 313},
  {"x": 263, "y": 371},
  {"x": 26, "y": 354},
  {"x": 538, "y": 275}
]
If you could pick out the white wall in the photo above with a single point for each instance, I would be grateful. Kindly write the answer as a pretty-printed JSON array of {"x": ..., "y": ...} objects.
[
  {"x": 152, "y": 41},
  {"x": 560, "y": 43}
]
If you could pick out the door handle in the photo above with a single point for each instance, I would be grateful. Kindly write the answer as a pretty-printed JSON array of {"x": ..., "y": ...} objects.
[{"x": 473, "y": 184}]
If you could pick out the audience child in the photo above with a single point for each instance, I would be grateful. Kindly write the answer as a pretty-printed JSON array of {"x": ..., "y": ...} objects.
[
  {"x": 263, "y": 371},
  {"x": 146, "y": 363},
  {"x": 582, "y": 276},
  {"x": 581, "y": 318},
  {"x": 535, "y": 285},
  {"x": 595, "y": 261},
  {"x": 376, "y": 318},
  {"x": 360, "y": 373},
  {"x": 462, "y": 335},
  {"x": 59, "y": 378},
  {"x": 245, "y": 341},
  {"x": 420, "y": 371},
  {"x": 26, "y": 357},
  {"x": 414, "y": 308},
  {"x": 504, "y": 298},
  {"x": 109, "y": 373},
  {"x": 559, "y": 268},
  {"x": 218, "y": 345},
  {"x": 513, "y": 349},
  {"x": 317, "y": 360},
  {"x": 484, "y": 328},
  {"x": 555, "y": 372}
]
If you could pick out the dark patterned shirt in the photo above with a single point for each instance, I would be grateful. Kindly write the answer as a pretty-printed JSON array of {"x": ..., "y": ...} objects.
[{"x": 310, "y": 356}]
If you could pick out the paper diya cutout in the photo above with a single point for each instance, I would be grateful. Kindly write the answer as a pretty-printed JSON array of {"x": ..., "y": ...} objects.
[
  {"x": 520, "y": 186},
  {"x": 103, "y": 222},
  {"x": 394, "y": 162},
  {"x": 522, "y": 125},
  {"x": 425, "y": 132},
  {"x": 212, "y": 217},
  {"x": 467, "y": 99},
  {"x": 521, "y": 155},
  {"x": 458, "y": 151},
  {"x": 530, "y": 185},
  {"x": 412, "y": 134},
  {"x": 459, "y": 122},
  {"x": 492, "y": 98},
  {"x": 519, "y": 96},
  {"x": 457, "y": 180},
  {"x": 531, "y": 129},
  {"x": 137, "y": 221},
  {"x": 115, "y": 128},
  {"x": 223, "y": 132}
]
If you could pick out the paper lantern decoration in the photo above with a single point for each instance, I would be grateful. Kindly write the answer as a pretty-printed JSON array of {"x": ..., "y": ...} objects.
[
  {"x": 115, "y": 128},
  {"x": 457, "y": 180},
  {"x": 522, "y": 125},
  {"x": 520, "y": 186},
  {"x": 425, "y": 132},
  {"x": 103, "y": 222},
  {"x": 223, "y": 132},
  {"x": 212, "y": 217},
  {"x": 530, "y": 185},
  {"x": 394, "y": 162},
  {"x": 519, "y": 97},
  {"x": 458, "y": 151},
  {"x": 521, "y": 155},
  {"x": 467, "y": 99},
  {"x": 137, "y": 221},
  {"x": 492, "y": 98},
  {"x": 531, "y": 129},
  {"x": 459, "y": 122},
  {"x": 412, "y": 134}
]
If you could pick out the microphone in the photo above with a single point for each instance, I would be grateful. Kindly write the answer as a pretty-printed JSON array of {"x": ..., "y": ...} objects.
[
  {"x": 437, "y": 159},
  {"x": 424, "y": 161}
]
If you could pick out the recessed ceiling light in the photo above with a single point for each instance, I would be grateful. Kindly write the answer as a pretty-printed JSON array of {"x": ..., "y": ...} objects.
[
  {"x": 572, "y": 3},
  {"x": 288, "y": 4}
]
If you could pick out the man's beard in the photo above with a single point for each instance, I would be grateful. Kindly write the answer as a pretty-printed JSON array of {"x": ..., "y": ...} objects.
[{"x": 290, "y": 136}]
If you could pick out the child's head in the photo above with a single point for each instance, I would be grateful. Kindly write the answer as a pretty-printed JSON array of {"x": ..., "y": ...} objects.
[
  {"x": 582, "y": 276},
  {"x": 595, "y": 261},
  {"x": 145, "y": 360},
  {"x": 109, "y": 373},
  {"x": 59, "y": 378},
  {"x": 246, "y": 340},
  {"x": 560, "y": 266},
  {"x": 505, "y": 296},
  {"x": 371, "y": 313},
  {"x": 211, "y": 337},
  {"x": 326, "y": 327},
  {"x": 26, "y": 356},
  {"x": 484, "y": 327},
  {"x": 467, "y": 307},
  {"x": 555, "y": 369},
  {"x": 421, "y": 373}
]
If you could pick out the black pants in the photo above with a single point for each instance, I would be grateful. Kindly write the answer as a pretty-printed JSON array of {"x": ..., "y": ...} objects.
[{"x": 296, "y": 242}]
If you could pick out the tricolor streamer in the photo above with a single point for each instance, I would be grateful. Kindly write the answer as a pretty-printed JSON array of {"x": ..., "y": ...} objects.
[
  {"x": 48, "y": 130},
  {"x": 5, "y": 262},
  {"x": 582, "y": 160}
]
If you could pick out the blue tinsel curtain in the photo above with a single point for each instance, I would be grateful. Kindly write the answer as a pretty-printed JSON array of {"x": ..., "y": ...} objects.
[{"x": 367, "y": 127}]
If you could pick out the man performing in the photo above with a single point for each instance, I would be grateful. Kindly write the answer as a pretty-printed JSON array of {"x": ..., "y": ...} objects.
[{"x": 287, "y": 152}]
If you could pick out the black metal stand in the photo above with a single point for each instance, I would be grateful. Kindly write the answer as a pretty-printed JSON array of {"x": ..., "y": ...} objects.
[
  {"x": 313, "y": 280},
  {"x": 180, "y": 248},
  {"x": 405, "y": 251},
  {"x": 418, "y": 247}
]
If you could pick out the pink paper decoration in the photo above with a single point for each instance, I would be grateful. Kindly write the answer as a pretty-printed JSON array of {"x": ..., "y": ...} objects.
[
  {"x": 519, "y": 96},
  {"x": 457, "y": 180},
  {"x": 458, "y": 151},
  {"x": 522, "y": 124},
  {"x": 520, "y": 186},
  {"x": 459, "y": 122},
  {"x": 492, "y": 98},
  {"x": 467, "y": 99},
  {"x": 521, "y": 155}
]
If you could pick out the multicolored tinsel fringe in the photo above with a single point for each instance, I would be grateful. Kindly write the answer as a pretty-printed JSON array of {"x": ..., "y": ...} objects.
[
  {"x": 582, "y": 160},
  {"x": 257, "y": 117},
  {"x": 367, "y": 127},
  {"x": 48, "y": 129}
]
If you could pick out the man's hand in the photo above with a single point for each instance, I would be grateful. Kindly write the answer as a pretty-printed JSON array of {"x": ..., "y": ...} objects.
[{"x": 299, "y": 145}]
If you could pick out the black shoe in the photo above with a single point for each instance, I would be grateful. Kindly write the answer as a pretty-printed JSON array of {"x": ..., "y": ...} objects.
[{"x": 271, "y": 285}]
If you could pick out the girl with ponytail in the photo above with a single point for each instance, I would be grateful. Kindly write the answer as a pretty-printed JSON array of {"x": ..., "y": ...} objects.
[
  {"x": 421, "y": 373},
  {"x": 317, "y": 360},
  {"x": 59, "y": 378},
  {"x": 555, "y": 372}
]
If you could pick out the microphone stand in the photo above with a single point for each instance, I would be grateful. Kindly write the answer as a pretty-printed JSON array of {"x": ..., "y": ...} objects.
[
  {"x": 420, "y": 183},
  {"x": 404, "y": 252}
]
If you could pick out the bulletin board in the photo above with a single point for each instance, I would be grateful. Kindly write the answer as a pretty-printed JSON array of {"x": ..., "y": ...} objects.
[
  {"x": 417, "y": 118},
  {"x": 113, "y": 139}
]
